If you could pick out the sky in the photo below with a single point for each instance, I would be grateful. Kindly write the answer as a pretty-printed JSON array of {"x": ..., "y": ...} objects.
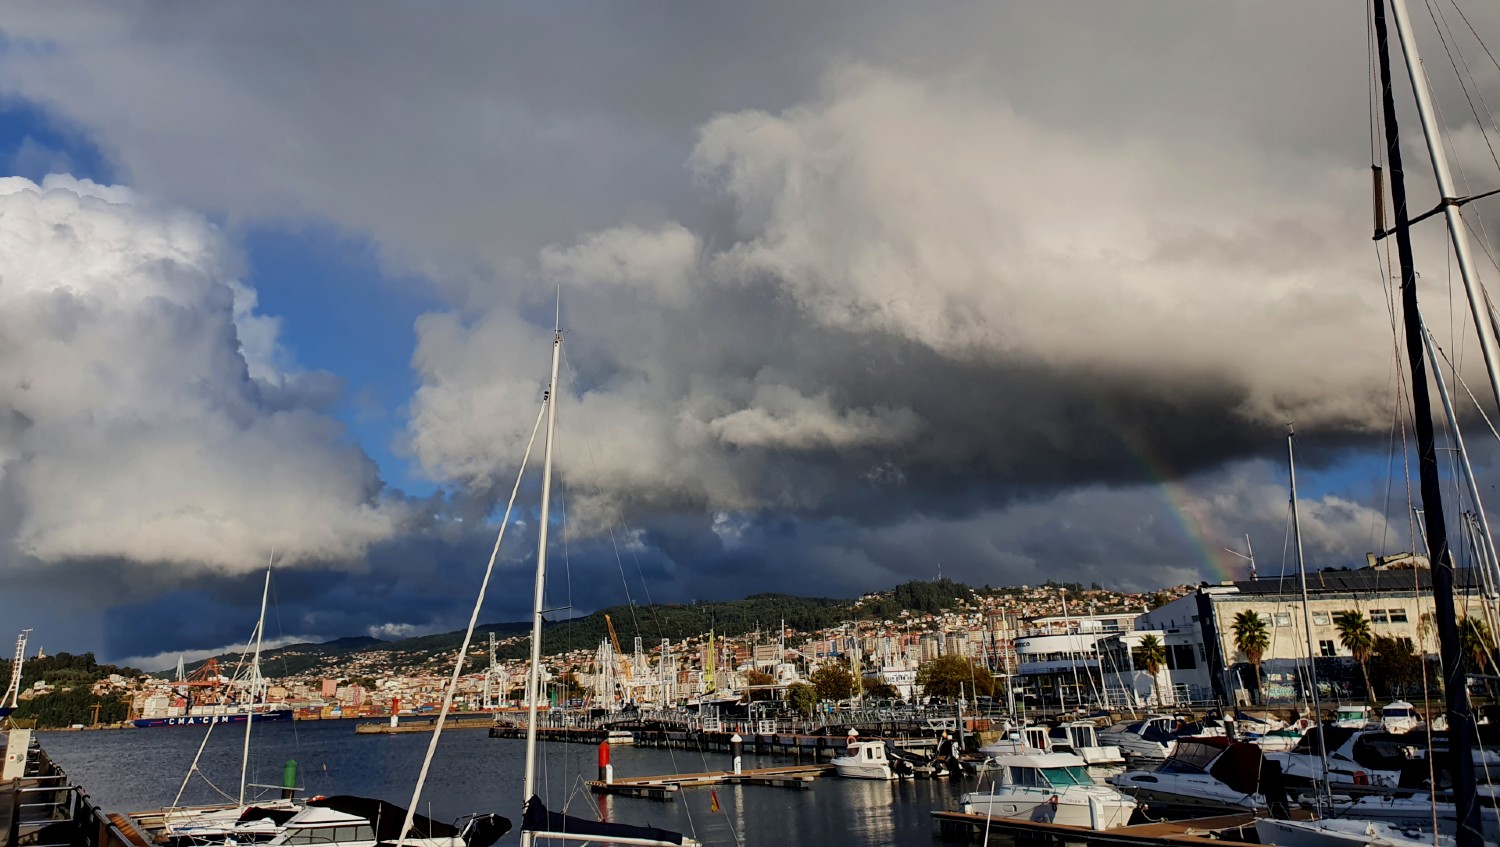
[{"x": 851, "y": 294}]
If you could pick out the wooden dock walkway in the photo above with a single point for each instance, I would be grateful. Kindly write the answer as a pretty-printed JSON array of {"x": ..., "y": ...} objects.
[{"x": 665, "y": 787}]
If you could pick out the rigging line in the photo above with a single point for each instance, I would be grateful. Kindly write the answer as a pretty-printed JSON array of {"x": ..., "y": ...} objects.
[
  {"x": 620, "y": 516},
  {"x": 463, "y": 650},
  {"x": 1487, "y": 422},
  {"x": 1445, "y": 33},
  {"x": 1447, "y": 136},
  {"x": 1477, "y": 37},
  {"x": 593, "y": 459}
]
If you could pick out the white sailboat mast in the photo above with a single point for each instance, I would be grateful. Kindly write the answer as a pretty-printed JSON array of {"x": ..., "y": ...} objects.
[
  {"x": 1458, "y": 231},
  {"x": 260, "y": 631},
  {"x": 1312, "y": 656},
  {"x": 533, "y": 679}
]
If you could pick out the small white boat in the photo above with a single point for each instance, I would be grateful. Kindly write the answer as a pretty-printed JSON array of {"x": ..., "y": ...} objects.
[
  {"x": 1343, "y": 832},
  {"x": 865, "y": 760},
  {"x": 1280, "y": 740},
  {"x": 1051, "y": 787},
  {"x": 1211, "y": 773},
  {"x": 1353, "y": 716},
  {"x": 1081, "y": 739},
  {"x": 1399, "y": 717}
]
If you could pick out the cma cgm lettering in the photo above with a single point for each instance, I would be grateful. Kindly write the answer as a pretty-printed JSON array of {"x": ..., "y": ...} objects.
[{"x": 206, "y": 719}]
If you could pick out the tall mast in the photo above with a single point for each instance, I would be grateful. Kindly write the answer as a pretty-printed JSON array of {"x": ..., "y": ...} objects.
[
  {"x": 1312, "y": 667},
  {"x": 260, "y": 631},
  {"x": 533, "y": 679},
  {"x": 1460, "y": 730},
  {"x": 1458, "y": 230},
  {"x": 1483, "y": 541}
]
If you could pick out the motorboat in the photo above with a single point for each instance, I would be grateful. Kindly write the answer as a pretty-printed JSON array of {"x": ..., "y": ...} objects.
[
  {"x": 1343, "y": 832},
  {"x": 225, "y": 824},
  {"x": 344, "y": 821},
  {"x": 1081, "y": 738},
  {"x": 1358, "y": 759},
  {"x": 1399, "y": 717},
  {"x": 1051, "y": 787},
  {"x": 1202, "y": 773},
  {"x": 1352, "y": 716},
  {"x": 1412, "y": 810},
  {"x": 1280, "y": 740},
  {"x": 1152, "y": 738},
  {"x": 868, "y": 760},
  {"x": 1027, "y": 739}
]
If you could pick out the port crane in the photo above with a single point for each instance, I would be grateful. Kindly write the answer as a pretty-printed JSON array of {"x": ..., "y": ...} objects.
[{"x": 11, "y": 698}]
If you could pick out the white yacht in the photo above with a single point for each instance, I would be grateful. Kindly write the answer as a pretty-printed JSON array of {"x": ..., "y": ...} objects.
[
  {"x": 1052, "y": 787},
  {"x": 1399, "y": 717},
  {"x": 1202, "y": 773},
  {"x": 1356, "y": 758},
  {"x": 1151, "y": 739}
]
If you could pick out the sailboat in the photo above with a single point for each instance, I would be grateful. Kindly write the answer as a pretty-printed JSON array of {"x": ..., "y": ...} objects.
[
  {"x": 1466, "y": 818},
  {"x": 537, "y": 822}
]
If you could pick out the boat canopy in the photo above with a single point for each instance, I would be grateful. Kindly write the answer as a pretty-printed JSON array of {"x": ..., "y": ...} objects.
[{"x": 538, "y": 820}]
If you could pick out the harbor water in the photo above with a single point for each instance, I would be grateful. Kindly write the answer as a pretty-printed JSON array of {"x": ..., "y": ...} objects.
[{"x": 134, "y": 770}]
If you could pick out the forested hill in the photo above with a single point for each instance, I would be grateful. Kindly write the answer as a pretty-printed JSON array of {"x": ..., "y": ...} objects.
[{"x": 674, "y": 621}]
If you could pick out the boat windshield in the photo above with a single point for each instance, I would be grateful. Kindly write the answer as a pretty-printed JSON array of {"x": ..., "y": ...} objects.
[
  {"x": 1396, "y": 712},
  {"x": 1072, "y": 775}
]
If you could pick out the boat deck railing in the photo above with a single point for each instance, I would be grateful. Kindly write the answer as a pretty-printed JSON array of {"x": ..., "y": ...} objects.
[{"x": 45, "y": 809}]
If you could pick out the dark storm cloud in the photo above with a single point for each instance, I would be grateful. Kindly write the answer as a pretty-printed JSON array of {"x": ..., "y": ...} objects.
[{"x": 849, "y": 289}]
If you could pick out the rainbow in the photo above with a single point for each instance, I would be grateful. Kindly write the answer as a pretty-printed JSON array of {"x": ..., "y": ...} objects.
[{"x": 1204, "y": 534}]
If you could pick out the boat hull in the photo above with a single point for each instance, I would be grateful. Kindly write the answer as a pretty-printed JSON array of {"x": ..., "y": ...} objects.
[
  {"x": 1340, "y": 833},
  {"x": 204, "y": 720},
  {"x": 1107, "y": 811},
  {"x": 858, "y": 770}
]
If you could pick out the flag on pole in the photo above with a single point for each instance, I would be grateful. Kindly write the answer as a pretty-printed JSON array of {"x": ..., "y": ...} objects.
[{"x": 713, "y": 801}]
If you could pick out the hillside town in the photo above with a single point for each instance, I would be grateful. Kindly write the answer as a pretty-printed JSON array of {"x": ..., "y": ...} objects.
[{"x": 1039, "y": 647}]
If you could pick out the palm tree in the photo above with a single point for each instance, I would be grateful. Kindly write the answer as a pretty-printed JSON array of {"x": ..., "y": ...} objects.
[
  {"x": 1253, "y": 638},
  {"x": 1356, "y": 636},
  {"x": 1477, "y": 643},
  {"x": 1150, "y": 656}
]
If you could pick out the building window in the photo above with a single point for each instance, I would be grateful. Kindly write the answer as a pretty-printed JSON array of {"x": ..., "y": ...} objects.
[
  {"x": 1283, "y": 619},
  {"x": 1379, "y": 616},
  {"x": 1325, "y": 647},
  {"x": 1398, "y": 616},
  {"x": 1182, "y": 656},
  {"x": 1320, "y": 619}
]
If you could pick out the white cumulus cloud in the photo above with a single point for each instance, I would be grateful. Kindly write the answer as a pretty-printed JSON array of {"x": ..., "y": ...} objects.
[{"x": 143, "y": 413}]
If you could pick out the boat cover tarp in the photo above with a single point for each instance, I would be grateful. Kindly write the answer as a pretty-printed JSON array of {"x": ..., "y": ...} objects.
[
  {"x": 1193, "y": 755},
  {"x": 538, "y": 819},
  {"x": 387, "y": 818},
  {"x": 277, "y": 816},
  {"x": 1239, "y": 767}
]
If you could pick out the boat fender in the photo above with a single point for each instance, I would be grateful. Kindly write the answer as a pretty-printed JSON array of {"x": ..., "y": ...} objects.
[{"x": 1361, "y": 778}]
